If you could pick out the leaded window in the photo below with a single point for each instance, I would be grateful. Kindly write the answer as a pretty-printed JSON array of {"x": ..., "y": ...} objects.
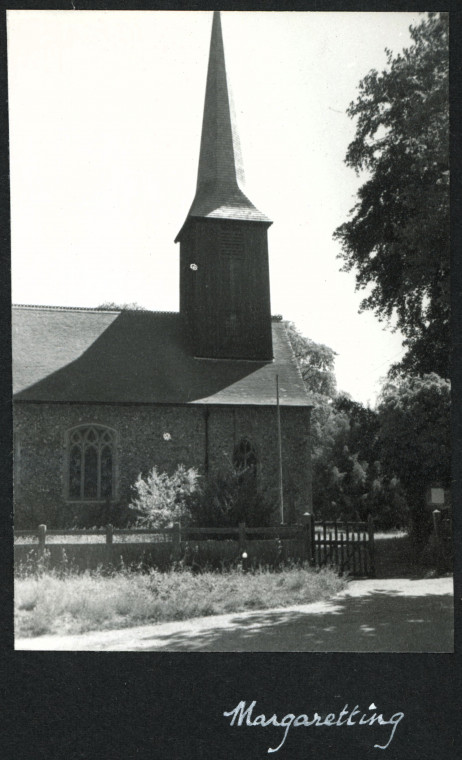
[
  {"x": 245, "y": 458},
  {"x": 91, "y": 463}
]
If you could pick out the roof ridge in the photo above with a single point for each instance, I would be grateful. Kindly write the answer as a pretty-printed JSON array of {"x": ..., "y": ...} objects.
[{"x": 85, "y": 308}]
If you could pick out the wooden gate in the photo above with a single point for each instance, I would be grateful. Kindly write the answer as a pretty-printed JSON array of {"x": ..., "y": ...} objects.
[{"x": 349, "y": 546}]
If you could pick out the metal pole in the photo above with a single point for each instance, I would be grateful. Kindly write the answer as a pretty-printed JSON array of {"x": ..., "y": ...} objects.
[
  {"x": 438, "y": 540},
  {"x": 281, "y": 494}
]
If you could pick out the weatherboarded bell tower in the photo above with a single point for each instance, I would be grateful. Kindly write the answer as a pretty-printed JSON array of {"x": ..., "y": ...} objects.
[{"x": 224, "y": 273}]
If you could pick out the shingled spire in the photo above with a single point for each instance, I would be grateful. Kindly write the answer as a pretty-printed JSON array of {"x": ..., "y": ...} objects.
[
  {"x": 220, "y": 177},
  {"x": 224, "y": 275}
]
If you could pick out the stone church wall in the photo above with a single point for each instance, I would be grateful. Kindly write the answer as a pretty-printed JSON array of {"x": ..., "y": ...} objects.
[{"x": 41, "y": 455}]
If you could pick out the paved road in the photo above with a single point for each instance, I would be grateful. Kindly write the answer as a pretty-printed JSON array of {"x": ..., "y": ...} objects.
[{"x": 376, "y": 615}]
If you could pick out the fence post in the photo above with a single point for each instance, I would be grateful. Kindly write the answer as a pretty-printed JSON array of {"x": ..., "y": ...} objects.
[
  {"x": 176, "y": 541},
  {"x": 370, "y": 531},
  {"x": 437, "y": 519},
  {"x": 242, "y": 541},
  {"x": 42, "y": 537},
  {"x": 308, "y": 530}
]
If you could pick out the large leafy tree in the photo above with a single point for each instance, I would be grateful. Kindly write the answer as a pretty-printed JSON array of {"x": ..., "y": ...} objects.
[
  {"x": 397, "y": 237},
  {"x": 375, "y": 461},
  {"x": 348, "y": 480},
  {"x": 414, "y": 439},
  {"x": 316, "y": 362}
]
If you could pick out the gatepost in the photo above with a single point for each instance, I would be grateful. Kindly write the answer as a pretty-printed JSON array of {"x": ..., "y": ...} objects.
[{"x": 308, "y": 531}]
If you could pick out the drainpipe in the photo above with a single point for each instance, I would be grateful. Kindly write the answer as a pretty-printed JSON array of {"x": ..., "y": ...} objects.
[
  {"x": 278, "y": 412},
  {"x": 206, "y": 439}
]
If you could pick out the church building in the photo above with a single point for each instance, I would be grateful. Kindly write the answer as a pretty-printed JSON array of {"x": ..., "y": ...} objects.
[{"x": 101, "y": 396}]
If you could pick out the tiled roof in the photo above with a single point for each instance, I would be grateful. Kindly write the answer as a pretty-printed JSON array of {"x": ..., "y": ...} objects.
[
  {"x": 82, "y": 355},
  {"x": 220, "y": 178}
]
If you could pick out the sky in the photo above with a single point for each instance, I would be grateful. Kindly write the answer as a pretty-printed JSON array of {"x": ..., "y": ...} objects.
[{"x": 105, "y": 113}]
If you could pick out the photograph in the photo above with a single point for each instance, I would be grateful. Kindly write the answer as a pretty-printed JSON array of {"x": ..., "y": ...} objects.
[{"x": 231, "y": 335}]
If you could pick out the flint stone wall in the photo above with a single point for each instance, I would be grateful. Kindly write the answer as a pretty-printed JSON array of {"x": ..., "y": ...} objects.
[{"x": 199, "y": 436}]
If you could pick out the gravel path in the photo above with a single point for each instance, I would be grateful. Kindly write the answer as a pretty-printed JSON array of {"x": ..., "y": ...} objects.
[{"x": 374, "y": 615}]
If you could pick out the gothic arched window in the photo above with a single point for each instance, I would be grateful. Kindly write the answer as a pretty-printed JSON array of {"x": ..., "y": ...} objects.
[
  {"x": 244, "y": 457},
  {"x": 91, "y": 463}
]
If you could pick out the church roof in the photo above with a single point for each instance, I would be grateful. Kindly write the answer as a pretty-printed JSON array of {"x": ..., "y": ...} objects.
[
  {"x": 220, "y": 177},
  {"x": 93, "y": 356}
]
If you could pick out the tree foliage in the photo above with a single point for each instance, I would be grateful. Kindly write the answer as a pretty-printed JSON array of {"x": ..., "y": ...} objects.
[
  {"x": 160, "y": 500},
  {"x": 381, "y": 461},
  {"x": 414, "y": 437},
  {"x": 349, "y": 480},
  {"x": 414, "y": 415},
  {"x": 315, "y": 361},
  {"x": 112, "y": 306},
  {"x": 229, "y": 497},
  {"x": 397, "y": 238},
  {"x": 224, "y": 499}
]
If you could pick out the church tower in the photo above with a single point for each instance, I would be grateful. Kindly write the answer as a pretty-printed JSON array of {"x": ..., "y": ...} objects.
[{"x": 224, "y": 273}]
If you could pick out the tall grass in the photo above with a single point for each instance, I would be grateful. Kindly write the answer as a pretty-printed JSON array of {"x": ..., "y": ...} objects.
[{"x": 60, "y": 603}]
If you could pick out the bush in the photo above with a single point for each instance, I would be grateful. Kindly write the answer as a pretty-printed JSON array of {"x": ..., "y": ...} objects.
[
  {"x": 224, "y": 499},
  {"x": 162, "y": 499},
  {"x": 229, "y": 497}
]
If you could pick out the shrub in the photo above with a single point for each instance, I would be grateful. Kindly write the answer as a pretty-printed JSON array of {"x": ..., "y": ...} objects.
[
  {"x": 224, "y": 499},
  {"x": 162, "y": 499},
  {"x": 229, "y": 497}
]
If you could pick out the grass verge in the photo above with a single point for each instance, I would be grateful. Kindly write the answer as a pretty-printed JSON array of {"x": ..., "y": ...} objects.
[{"x": 75, "y": 603}]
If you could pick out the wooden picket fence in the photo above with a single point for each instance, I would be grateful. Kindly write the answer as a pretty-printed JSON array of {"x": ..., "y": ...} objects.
[{"x": 346, "y": 546}]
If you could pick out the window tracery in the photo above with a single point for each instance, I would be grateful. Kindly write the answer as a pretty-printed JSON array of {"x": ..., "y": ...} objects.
[{"x": 91, "y": 463}]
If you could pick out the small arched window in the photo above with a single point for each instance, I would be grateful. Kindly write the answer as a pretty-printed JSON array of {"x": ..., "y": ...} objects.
[
  {"x": 91, "y": 463},
  {"x": 245, "y": 458}
]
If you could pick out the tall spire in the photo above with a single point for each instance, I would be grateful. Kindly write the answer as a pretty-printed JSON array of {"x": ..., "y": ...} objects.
[{"x": 220, "y": 177}]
